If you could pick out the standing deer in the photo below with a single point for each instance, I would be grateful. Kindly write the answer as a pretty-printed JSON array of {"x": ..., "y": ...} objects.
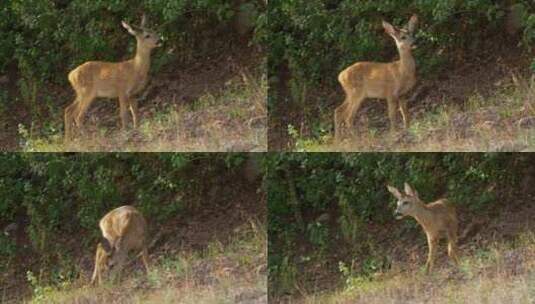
[
  {"x": 112, "y": 80},
  {"x": 123, "y": 229},
  {"x": 379, "y": 80},
  {"x": 435, "y": 218}
]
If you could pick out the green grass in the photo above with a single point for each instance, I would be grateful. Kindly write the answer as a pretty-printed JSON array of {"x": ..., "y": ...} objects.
[
  {"x": 480, "y": 124},
  {"x": 233, "y": 120},
  {"x": 232, "y": 273}
]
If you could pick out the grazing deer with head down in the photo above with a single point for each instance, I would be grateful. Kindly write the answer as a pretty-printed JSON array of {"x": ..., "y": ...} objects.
[
  {"x": 112, "y": 80},
  {"x": 435, "y": 218},
  {"x": 123, "y": 229},
  {"x": 379, "y": 80}
]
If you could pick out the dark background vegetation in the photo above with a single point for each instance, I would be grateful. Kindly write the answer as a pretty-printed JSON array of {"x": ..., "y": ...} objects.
[
  {"x": 312, "y": 41},
  {"x": 330, "y": 208},
  {"x": 50, "y": 206},
  {"x": 42, "y": 40}
]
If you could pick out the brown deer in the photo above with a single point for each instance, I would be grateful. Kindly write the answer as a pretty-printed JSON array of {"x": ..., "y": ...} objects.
[
  {"x": 379, "y": 80},
  {"x": 435, "y": 218},
  {"x": 124, "y": 230},
  {"x": 112, "y": 80}
]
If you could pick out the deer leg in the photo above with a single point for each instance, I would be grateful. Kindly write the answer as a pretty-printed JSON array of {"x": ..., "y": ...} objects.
[
  {"x": 432, "y": 242},
  {"x": 123, "y": 108},
  {"x": 81, "y": 109},
  {"x": 145, "y": 259},
  {"x": 392, "y": 111},
  {"x": 354, "y": 105},
  {"x": 68, "y": 119},
  {"x": 404, "y": 113},
  {"x": 452, "y": 247},
  {"x": 338, "y": 121},
  {"x": 133, "y": 111}
]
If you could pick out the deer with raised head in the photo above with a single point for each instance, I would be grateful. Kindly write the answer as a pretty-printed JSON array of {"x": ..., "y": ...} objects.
[
  {"x": 112, "y": 80},
  {"x": 379, "y": 80},
  {"x": 124, "y": 230},
  {"x": 436, "y": 218}
]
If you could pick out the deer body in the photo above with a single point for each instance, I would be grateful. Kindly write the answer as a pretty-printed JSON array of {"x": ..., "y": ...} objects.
[
  {"x": 124, "y": 230},
  {"x": 119, "y": 80},
  {"x": 379, "y": 80},
  {"x": 437, "y": 218}
]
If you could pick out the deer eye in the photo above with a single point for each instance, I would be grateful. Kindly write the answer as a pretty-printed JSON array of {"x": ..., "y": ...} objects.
[
  {"x": 147, "y": 36},
  {"x": 404, "y": 203}
]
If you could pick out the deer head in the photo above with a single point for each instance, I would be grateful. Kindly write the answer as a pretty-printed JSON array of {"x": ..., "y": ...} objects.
[
  {"x": 408, "y": 203},
  {"x": 403, "y": 36}
]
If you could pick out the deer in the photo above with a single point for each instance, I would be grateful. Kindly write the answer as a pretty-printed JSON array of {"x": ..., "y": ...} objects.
[
  {"x": 124, "y": 230},
  {"x": 119, "y": 80},
  {"x": 379, "y": 80},
  {"x": 435, "y": 218}
]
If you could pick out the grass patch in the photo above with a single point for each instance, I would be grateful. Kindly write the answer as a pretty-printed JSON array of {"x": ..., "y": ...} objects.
[
  {"x": 501, "y": 273},
  {"x": 504, "y": 121},
  {"x": 232, "y": 273},
  {"x": 233, "y": 120}
]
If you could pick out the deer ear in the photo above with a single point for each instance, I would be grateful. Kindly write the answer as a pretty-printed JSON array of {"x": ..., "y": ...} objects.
[
  {"x": 412, "y": 23},
  {"x": 394, "y": 191},
  {"x": 128, "y": 28},
  {"x": 410, "y": 191},
  {"x": 389, "y": 28},
  {"x": 143, "y": 20}
]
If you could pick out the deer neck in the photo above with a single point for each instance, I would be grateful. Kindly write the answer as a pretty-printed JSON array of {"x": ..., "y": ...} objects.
[
  {"x": 407, "y": 63},
  {"x": 142, "y": 60},
  {"x": 423, "y": 216}
]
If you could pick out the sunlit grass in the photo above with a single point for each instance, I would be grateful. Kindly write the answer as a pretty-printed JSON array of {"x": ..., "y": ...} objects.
[
  {"x": 234, "y": 120},
  {"x": 481, "y": 124}
]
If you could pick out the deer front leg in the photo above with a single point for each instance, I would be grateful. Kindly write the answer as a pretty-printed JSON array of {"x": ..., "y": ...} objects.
[
  {"x": 432, "y": 243},
  {"x": 133, "y": 111},
  {"x": 392, "y": 111},
  {"x": 404, "y": 113},
  {"x": 123, "y": 108}
]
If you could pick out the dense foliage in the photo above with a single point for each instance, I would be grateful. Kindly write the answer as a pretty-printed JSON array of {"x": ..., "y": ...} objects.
[
  {"x": 45, "y": 38},
  {"x": 324, "y": 202},
  {"x": 42, "y": 40},
  {"x": 51, "y": 197}
]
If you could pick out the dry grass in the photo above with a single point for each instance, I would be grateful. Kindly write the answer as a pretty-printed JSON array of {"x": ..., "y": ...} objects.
[
  {"x": 234, "y": 120},
  {"x": 502, "y": 122},
  {"x": 235, "y": 273},
  {"x": 498, "y": 274}
]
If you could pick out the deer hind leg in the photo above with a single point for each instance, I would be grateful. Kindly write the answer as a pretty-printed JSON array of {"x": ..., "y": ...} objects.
[
  {"x": 432, "y": 242},
  {"x": 338, "y": 120},
  {"x": 81, "y": 109},
  {"x": 404, "y": 113},
  {"x": 68, "y": 120},
  {"x": 392, "y": 111},
  {"x": 355, "y": 101},
  {"x": 452, "y": 247},
  {"x": 145, "y": 258}
]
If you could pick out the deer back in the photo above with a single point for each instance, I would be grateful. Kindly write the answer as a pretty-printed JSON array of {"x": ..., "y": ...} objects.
[{"x": 127, "y": 224}]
